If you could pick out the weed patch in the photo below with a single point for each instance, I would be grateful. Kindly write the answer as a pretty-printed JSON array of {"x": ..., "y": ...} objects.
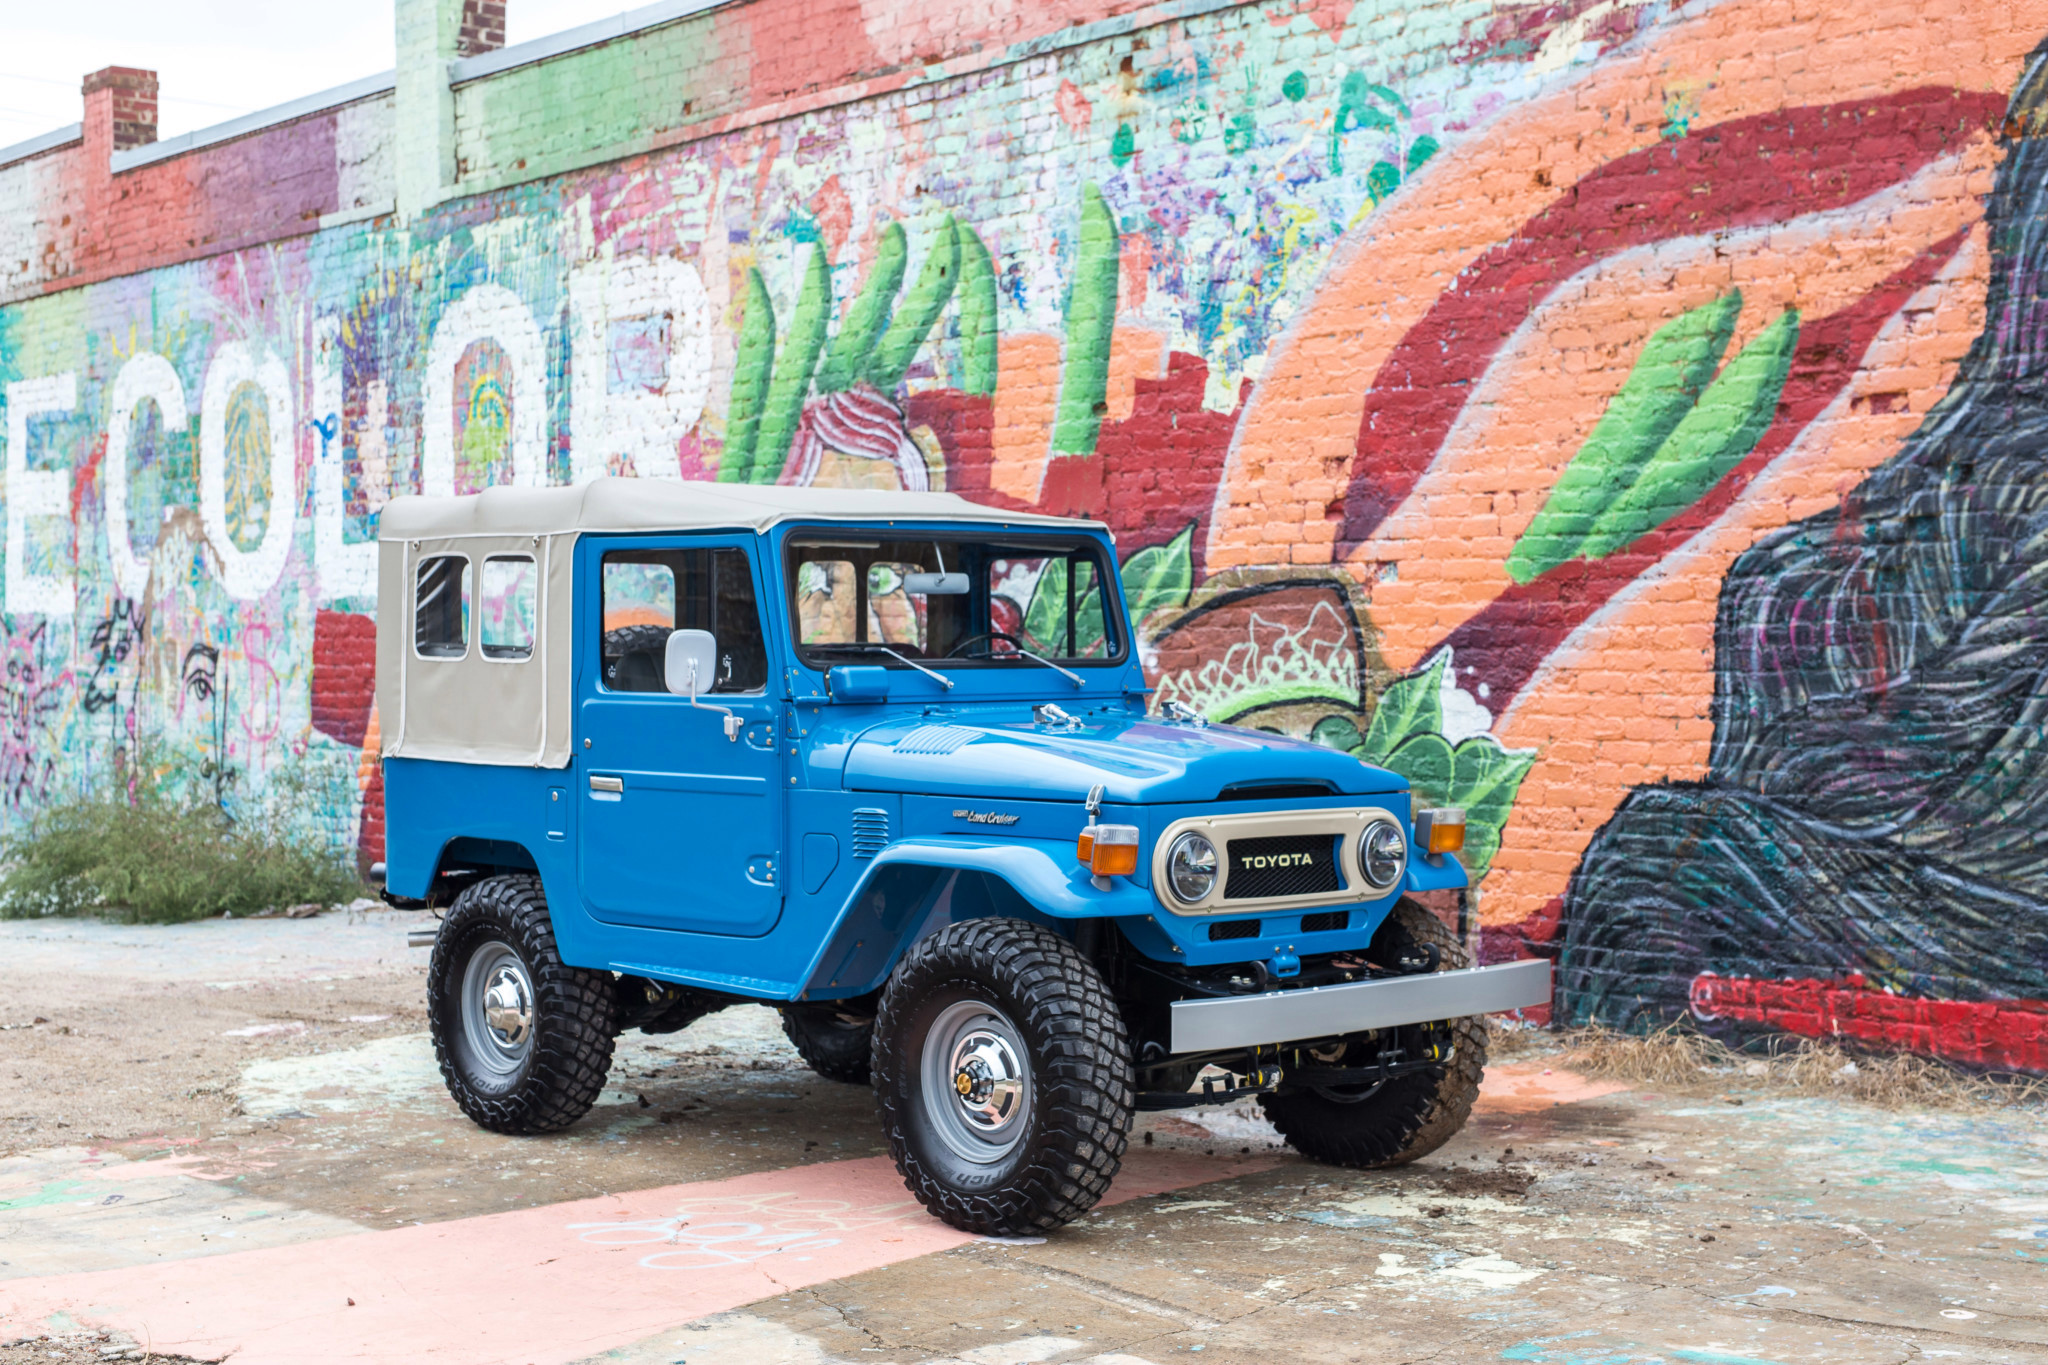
[
  {"x": 1680, "y": 1058},
  {"x": 162, "y": 860}
]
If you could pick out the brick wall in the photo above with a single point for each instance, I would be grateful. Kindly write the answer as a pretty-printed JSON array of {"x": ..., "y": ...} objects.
[{"x": 1619, "y": 419}]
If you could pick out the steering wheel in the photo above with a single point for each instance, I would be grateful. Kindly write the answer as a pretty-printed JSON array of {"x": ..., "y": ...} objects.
[{"x": 989, "y": 635}]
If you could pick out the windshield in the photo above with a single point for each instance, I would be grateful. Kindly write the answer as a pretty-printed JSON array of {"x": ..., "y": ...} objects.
[{"x": 971, "y": 603}]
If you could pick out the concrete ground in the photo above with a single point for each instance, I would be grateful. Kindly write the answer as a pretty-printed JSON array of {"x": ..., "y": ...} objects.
[{"x": 229, "y": 1141}]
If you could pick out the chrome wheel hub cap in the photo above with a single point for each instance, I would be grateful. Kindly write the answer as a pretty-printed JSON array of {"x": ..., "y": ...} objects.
[
  {"x": 977, "y": 1081},
  {"x": 497, "y": 1013},
  {"x": 508, "y": 1007}
]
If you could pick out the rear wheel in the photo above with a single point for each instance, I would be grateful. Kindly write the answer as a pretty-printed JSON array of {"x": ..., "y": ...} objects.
[
  {"x": 834, "y": 1045},
  {"x": 524, "y": 1041},
  {"x": 1004, "y": 1078},
  {"x": 1409, "y": 1116}
]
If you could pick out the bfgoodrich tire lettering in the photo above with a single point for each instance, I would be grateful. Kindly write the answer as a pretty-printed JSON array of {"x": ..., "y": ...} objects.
[
  {"x": 1410, "y": 1116},
  {"x": 1013, "y": 999},
  {"x": 524, "y": 1041}
]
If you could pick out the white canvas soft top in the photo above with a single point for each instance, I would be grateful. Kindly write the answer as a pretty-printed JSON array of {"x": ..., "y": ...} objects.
[
  {"x": 667, "y": 505},
  {"x": 476, "y": 708}
]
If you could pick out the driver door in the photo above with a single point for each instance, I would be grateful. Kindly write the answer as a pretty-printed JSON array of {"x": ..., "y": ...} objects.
[{"x": 680, "y": 827}]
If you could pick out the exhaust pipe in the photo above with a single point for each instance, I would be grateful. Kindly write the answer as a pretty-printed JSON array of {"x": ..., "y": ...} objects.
[{"x": 421, "y": 938}]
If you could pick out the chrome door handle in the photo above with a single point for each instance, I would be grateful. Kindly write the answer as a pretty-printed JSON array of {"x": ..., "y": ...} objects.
[{"x": 607, "y": 784}]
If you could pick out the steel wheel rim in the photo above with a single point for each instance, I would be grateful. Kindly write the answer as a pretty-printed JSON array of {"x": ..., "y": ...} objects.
[
  {"x": 497, "y": 1012},
  {"x": 976, "y": 1082}
]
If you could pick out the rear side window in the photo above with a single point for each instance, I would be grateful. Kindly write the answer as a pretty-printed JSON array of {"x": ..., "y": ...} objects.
[
  {"x": 648, "y": 593},
  {"x": 440, "y": 622},
  {"x": 506, "y": 603}
]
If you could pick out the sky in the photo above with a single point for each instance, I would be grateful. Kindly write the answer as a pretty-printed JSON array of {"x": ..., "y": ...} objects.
[{"x": 214, "y": 59}]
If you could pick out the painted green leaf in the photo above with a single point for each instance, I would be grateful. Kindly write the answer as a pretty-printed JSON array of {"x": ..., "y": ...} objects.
[
  {"x": 793, "y": 369},
  {"x": 1160, "y": 575},
  {"x": 1338, "y": 732},
  {"x": 1665, "y": 383},
  {"x": 977, "y": 295},
  {"x": 1420, "y": 151},
  {"x": 1123, "y": 146},
  {"x": 1045, "y": 619},
  {"x": 1382, "y": 180},
  {"x": 1091, "y": 317},
  {"x": 1722, "y": 428},
  {"x": 918, "y": 310},
  {"x": 847, "y": 359},
  {"x": 1412, "y": 705},
  {"x": 1426, "y": 761},
  {"x": 1484, "y": 780},
  {"x": 754, "y": 361}
]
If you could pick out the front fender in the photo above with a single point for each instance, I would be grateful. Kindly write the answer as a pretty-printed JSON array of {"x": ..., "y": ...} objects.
[
  {"x": 1435, "y": 872},
  {"x": 918, "y": 885}
]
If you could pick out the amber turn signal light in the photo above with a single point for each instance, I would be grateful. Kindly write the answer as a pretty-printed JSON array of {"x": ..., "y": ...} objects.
[
  {"x": 1108, "y": 850},
  {"x": 1441, "y": 830}
]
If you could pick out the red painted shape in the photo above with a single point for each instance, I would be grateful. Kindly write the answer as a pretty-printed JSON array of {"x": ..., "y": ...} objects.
[
  {"x": 344, "y": 675},
  {"x": 1161, "y": 465},
  {"x": 2007, "y": 1035},
  {"x": 370, "y": 832},
  {"x": 1743, "y": 173},
  {"x": 1507, "y": 641}
]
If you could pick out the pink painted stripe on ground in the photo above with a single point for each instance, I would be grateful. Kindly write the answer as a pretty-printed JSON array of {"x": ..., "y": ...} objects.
[{"x": 534, "y": 1286}]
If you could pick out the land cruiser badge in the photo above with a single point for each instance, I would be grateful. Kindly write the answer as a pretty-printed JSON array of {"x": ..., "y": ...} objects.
[{"x": 984, "y": 817}]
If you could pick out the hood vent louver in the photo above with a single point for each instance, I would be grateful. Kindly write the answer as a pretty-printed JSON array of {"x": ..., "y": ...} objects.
[
  {"x": 935, "y": 739},
  {"x": 870, "y": 831}
]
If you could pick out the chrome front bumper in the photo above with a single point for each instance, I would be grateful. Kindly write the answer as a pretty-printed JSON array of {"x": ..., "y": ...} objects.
[{"x": 1325, "y": 1011}]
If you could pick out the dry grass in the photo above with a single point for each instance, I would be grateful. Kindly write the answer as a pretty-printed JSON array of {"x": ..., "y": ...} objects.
[{"x": 1680, "y": 1058}]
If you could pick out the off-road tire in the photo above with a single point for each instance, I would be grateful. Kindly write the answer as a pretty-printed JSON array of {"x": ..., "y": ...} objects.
[
  {"x": 829, "y": 1045},
  {"x": 570, "y": 1054},
  {"x": 1410, "y": 1116},
  {"x": 1082, "y": 1087}
]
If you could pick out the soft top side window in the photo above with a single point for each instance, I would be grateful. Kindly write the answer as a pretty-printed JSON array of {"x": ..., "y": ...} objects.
[
  {"x": 506, "y": 604},
  {"x": 646, "y": 594},
  {"x": 440, "y": 617}
]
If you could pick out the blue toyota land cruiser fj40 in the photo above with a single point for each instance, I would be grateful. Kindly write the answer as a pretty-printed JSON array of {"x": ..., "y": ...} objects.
[{"x": 883, "y": 761}]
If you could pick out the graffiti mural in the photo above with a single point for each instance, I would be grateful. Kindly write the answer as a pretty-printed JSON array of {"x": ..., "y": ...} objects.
[
  {"x": 1869, "y": 822},
  {"x": 1618, "y": 435}
]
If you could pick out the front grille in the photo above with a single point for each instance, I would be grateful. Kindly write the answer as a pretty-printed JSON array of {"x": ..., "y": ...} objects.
[
  {"x": 1325, "y": 922},
  {"x": 1235, "y": 928},
  {"x": 870, "y": 832},
  {"x": 1284, "y": 865}
]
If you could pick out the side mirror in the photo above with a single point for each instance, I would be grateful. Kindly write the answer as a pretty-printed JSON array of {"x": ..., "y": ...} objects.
[
  {"x": 691, "y": 664},
  {"x": 935, "y": 584}
]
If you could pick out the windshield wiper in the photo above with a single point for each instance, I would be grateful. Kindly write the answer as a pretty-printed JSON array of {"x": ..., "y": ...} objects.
[
  {"x": 936, "y": 676},
  {"x": 1069, "y": 674}
]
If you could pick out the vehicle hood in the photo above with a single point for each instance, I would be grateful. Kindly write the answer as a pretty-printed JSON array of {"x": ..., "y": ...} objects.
[{"x": 1136, "y": 759}]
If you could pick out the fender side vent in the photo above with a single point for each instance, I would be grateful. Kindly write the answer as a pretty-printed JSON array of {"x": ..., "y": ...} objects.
[
  {"x": 1326, "y": 921},
  {"x": 1236, "y": 928},
  {"x": 870, "y": 831}
]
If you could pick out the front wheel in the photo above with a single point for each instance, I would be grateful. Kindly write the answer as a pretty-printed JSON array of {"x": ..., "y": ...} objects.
[
  {"x": 1407, "y": 1117},
  {"x": 524, "y": 1040},
  {"x": 1003, "y": 1073}
]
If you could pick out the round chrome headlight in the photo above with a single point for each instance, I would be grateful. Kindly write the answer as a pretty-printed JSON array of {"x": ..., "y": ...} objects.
[
  {"x": 1382, "y": 854},
  {"x": 1191, "y": 868}
]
